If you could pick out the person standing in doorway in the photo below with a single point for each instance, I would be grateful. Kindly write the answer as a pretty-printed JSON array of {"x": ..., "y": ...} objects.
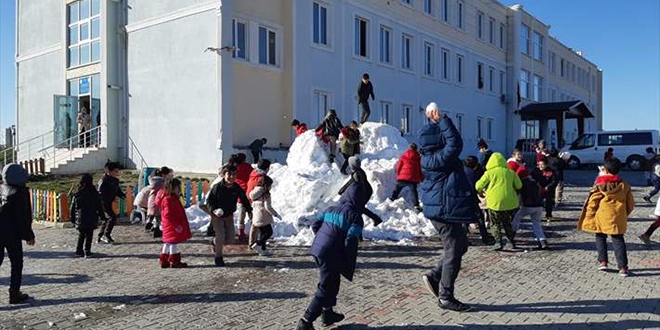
[
  {"x": 256, "y": 147},
  {"x": 365, "y": 89},
  {"x": 448, "y": 202},
  {"x": 84, "y": 121}
]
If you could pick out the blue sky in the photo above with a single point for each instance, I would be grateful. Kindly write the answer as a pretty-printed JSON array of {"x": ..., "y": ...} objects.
[{"x": 622, "y": 40}]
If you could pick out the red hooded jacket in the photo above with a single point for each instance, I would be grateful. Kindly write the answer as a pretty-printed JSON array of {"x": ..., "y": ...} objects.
[
  {"x": 409, "y": 167},
  {"x": 302, "y": 128},
  {"x": 173, "y": 218},
  {"x": 255, "y": 178}
]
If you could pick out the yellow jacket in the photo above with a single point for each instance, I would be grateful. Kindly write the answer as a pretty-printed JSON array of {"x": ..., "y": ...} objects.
[{"x": 607, "y": 208}]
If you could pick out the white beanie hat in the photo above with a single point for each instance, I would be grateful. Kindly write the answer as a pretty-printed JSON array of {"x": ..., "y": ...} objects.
[{"x": 431, "y": 107}]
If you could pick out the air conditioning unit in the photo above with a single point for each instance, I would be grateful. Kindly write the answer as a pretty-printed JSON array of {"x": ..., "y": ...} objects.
[{"x": 503, "y": 99}]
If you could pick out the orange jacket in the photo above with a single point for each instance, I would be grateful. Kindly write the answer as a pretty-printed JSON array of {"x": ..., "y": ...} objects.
[{"x": 607, "y": 208}]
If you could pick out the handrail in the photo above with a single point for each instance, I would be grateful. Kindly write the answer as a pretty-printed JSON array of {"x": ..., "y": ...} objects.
[
  {"x": 28, "y": 141},
  {"x": 132, "y": 149}
]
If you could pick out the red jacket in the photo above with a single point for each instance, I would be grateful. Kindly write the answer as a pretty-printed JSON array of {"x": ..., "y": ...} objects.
[
  {"x": 302, "y": 128},
  {"x": 513, "y": 164},
  {"x": 255, "y": 179},
  {"x": 243, "y": 176},
  {"x": 173, "y": 218},
  {"x": 409, "y": 167}
]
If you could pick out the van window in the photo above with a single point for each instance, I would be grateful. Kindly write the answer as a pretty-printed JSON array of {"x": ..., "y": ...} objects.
[
  {"x": 625, "y": 139},
  {"x": 584, "y": 142}
]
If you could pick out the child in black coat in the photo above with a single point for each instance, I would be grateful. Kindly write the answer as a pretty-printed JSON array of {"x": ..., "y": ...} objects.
[
  {"x": 109, "y": 190},
  {"x": 86, "y": 210},
  {"x": 15, "y": 225}
]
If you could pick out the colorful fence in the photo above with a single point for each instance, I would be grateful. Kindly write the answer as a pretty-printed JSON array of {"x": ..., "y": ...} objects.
[{"x": 53, "y": 207}]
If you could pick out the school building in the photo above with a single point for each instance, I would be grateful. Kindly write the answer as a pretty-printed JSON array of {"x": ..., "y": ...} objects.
[{"x": 186, "y": 83}]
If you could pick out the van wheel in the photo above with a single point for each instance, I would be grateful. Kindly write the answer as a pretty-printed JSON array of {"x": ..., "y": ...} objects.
[
  {"x": 573, "y": 163},
  {"x": 635, "y": 162}
]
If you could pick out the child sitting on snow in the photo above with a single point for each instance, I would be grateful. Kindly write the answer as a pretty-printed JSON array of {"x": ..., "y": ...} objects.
[
  {"x": 175, "y": 224},
  {"x": 262, "y": 216}
]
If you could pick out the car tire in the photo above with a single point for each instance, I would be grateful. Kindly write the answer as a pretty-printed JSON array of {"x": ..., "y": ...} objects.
[
  {"x": 635, "y": 163},
  {"x": 573, "y": 163}
]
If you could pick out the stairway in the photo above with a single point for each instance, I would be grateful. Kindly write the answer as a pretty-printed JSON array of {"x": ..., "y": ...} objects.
[{"x": 77, "y": 160}]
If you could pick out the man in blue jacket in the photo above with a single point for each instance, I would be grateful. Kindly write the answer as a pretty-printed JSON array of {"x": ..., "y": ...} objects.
[
  {"x": 334, "y": 249},
  {"x": 448, "y": 202}
]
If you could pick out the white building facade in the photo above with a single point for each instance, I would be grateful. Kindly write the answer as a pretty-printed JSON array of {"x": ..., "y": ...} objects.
[{"x": 186, "y": 83}]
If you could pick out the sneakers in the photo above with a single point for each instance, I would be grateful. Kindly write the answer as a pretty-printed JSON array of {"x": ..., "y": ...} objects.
[
  {"x": 219, "y": 262},
  {"x": 17, "y": 297},
  {"x": 330, "y": 317},
  {"x": 148, "y": 226},
  {"x": 431, "y": 285},
  {"x": 603, "y": 266},
  {"x": 109, "y": 239},
  {"x": 79, "y": 255},
  {"x": 304, "y": 325},
  {"x": 543, "y": 244},
  {"x": 645, "y": 238},
  {"x": 647, "y": 199},
  {"x": 258, "y": 249},
  {"x": 454, "y": 305},
  {"x": 104, "y": 239},
  {"x": 488, "y": 240},
  {"x": 89, "y": 254},
  {"x": 624, "y": 272}
]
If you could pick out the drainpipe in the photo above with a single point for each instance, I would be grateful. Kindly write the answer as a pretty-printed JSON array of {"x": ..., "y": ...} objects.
[{"x": 16, "y": 52}]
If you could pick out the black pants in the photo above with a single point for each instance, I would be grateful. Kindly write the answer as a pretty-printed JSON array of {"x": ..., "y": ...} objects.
[
  {"x": 549, "y": 202},
  {"x": 15, "y": 253},
  {"x": 263, "y": 234},
  {"x": 84, "y": 239},
  {"x": 345, "y": 164},
  {"x": 619, "y": 249},
  {"x": 366, "y": 111},
  {"x": 402, "y": 184},
  {"x": 454, "y": 238},
  {"x": 481, "y": 223},
  {"x": 327, "y": 289},
  {"x": 656, "y": 189},
  {"x": 110, "y": 222},
  {"x": 255, "y": 156}
]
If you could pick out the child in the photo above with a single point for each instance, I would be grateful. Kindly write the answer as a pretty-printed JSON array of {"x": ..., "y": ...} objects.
[
  {"x": 220, "y": 204},
  {"x": 547, "y": 179},
  {"x": 409, "y": 174},
  {"x": 156, "y": 182},
  {"x": 474, "y": 172},
  {"x": 140, "y": 205},
  {"x": 298, "y": 127},
  {"x": 609, "y": 154},
  {"x": 500, "y": 185},
  {"x": 243, "y": 172},
  {"x": 649, "y": 164},
  {"x": 86, "y": 210},
  {"x": 263, "y": 213},
  {"x": 557, "y": 164},
  {"x": 655, "y": 180},
  {"x": 330, "y": 128},
  {"x": 646, "y": 237},
  {"x": 15, "y": 225},
  {"x": 348, "y": 146},
  {"x": 484, "y": 152},
  {"x": 337, "y": 232},
  {"x": 109, "y": 190},
  {"x": 257, "y": 175},
  {"x": 517, "y": 160},
  {"x": 606, "y": 211},
  {"x": 175, "y": 224},
  {"x": 541, "y": 151},
  {"x": 532, "y": 205},
  {"x": 256, "y": 147}
]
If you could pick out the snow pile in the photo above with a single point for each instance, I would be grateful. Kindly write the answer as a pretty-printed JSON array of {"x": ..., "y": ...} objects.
[{"x": 309, "y": 184}]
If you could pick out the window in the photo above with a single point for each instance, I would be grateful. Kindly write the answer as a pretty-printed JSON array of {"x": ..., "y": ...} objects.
[
  {"x": 502, "y": 35},
  {"x": 480, "y": 75},
  {"x": 553, "y": 63},
  {"x": 459, "y": 14},
  {"x": 445, "y": 65},
  {"x": 524, "y": 84},
  {"x": 407, "y": 2},
  {"x": 321, "y": 104},
  {"x": 429, "y": 65},
  {"x": 573, "y": 75},
  {"x": 538, "y": 88},
  {"x": 406, "y": 52},
  {"x": 428, "y": 7},
  {"x": 538, "y": 46},
  {"x": 561, "y": 67},
  {"x": 385, "y": 45},
  {"x": 405, "y": 119},
  {"x": 489, "y": 130},
  {"x": 445, "y": 11},
  {"x": 320, "y": 24},
  {"x": 460, "y": 69},
  {"x": 553, "y": 95},
  {"x": 524, "y": 39},
  {"x": 491, "y": 30},
  {"x": 361, "y": 37},
  {"x": 385, "y": 112},
  {"x": 502, "y": 83},
  {"x": 480, "y": 25},
  {"x": 459, "y": 123},
  {"x": 267, "y": 46},
  {"x": 479, "y": 127},
  {"x": 625, "y": 139},
  {"x": 491, "y": 79},
  {"x": 84, "y": 32},
  {"x": 239, "y": 32}
]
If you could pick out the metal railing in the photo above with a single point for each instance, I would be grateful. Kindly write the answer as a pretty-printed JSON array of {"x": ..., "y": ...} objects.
[
  {"x": 134, "y": 155},
  {"x": 75, "y": 146},
  {"x": 29, "y": 149}
]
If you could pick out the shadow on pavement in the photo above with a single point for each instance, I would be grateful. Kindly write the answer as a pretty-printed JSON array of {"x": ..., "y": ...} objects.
[
  {"x": 310, "y": 264},
  {"x": 624, "y": 324},
  {"x": 35, "y": 279},
  {"x": 647, "y": 305}
]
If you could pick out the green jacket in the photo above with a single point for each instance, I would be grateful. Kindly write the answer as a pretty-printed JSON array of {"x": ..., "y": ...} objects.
[
  {"x": 349, "y": 143},
  {"x": 500, "y": 185}
]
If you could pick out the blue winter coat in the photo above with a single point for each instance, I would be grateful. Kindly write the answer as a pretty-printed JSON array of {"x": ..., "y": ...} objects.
[
  {"x": 338, "y": 230},
  {"x": 446, "y": 193}
]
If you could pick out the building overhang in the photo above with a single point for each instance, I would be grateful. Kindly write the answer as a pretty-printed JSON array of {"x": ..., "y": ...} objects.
[{"x": 551, "y": 110}]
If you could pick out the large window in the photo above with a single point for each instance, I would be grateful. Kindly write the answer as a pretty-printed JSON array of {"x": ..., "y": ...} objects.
[
  {"x": 84, "y": 32},
  {"x": 267, "y": 46},
  {"x": 460, "y": 14},
  {"x": 445, "y": 11},
  {"x": 480, "y": 76},
  {"x": 480, "y": 25},
  {"x": 320, "y": 25},
  {"x": 445, "y": 65},
  {"x": 460, "y": 68},
  {"x": 385, "y": 112},
  {"x": 385, "y": 45},
  {"x": 361, "y": 37},
  {"x": 428, "y": 7},
  {"x": 239, "y": 31},
  {"x": 406, "y": 52},
  {"x": 524, "y": 39},
  {"x": 538, "y": 46},
  {"x": 524, "y": 84},
  {"x": 429, "y": 59},
  {"x": 538, "y": 88},
  {"x": 491, "y": 30}
]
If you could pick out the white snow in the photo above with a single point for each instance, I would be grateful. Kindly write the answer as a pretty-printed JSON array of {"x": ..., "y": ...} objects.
[{"x": 308, "y": 183}]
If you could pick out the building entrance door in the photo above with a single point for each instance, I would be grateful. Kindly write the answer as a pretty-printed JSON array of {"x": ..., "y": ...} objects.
[{"x": 65, "y": 114}]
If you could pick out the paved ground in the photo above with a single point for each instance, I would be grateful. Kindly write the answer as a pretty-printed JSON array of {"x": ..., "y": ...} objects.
[{"x": 124, "y": 288}]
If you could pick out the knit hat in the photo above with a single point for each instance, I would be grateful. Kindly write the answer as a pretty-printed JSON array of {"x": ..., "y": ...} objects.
[
  {"x": 354, "y": 162},
  {"x": 15, "y": 175},
  {"x": 522, "y": 172},
  {"x": 431, "y": 107}
]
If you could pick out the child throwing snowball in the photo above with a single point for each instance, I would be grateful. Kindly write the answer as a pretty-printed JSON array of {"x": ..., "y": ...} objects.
[
  {"x": 263, "y": 213},
  {"x": 174, "y": 222}
]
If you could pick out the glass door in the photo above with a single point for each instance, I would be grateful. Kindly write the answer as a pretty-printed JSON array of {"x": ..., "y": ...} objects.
[{"x": 65, "y": 110}]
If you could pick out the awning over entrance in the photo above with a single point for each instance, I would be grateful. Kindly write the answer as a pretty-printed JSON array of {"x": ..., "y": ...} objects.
[{"x": 550, "y": 110}]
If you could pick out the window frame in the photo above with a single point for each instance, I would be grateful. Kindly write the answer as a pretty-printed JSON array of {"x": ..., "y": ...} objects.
[
  {"x": 328, "y": 25},
  {"x": 277, "y": 44},
  {"x": 460, "y": 15},
  {"x": 445, "y": 11},
  {"x": 428, "y": 8},
  {"x": 537, "y": 46},
  {"x": 459, "y": 123},
  {"x": 525, "y": 39},
  {"x": 246, "y": 23},
  {"x": 429, "y": 62},
  {"x": 406, "y": 118},
  {"x": 502, "y": 82},
  {"x": 89, "y": 42},
  {"x": 390, "y": 48},
  {"x": 502, "y": 36},
  {"x": 524, "y": 92},
  {"x": 387, "y": 115},
  {"x": 445, "y": 61},
  {"x": 491, "y": 79},
  {"x": 481, "y": 76},
  {"x": 489, "y": 129},
  {"x": 481, "y": 25},
  {"x": 491, "y": 30},
  {"x": 460, "y": 69},
  {"x": 537, "y": 88},
  {"x": 479, "y": 127},
  {"x": 367, "y": 50},
  {"x": 407, "y": 63}
]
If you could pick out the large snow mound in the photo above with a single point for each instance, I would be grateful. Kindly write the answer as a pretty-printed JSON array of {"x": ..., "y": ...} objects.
[{"x": 308, "y": 183}]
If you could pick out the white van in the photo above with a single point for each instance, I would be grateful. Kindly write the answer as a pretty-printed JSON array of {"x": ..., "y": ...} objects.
[{"x": 629, "y": 147}]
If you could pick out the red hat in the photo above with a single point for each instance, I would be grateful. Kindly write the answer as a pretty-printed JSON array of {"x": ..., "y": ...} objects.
[{"x": 522, "y": 172}]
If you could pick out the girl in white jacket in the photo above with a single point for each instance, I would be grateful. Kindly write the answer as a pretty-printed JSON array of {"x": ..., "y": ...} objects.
[{"x": 262, "y": 216}]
